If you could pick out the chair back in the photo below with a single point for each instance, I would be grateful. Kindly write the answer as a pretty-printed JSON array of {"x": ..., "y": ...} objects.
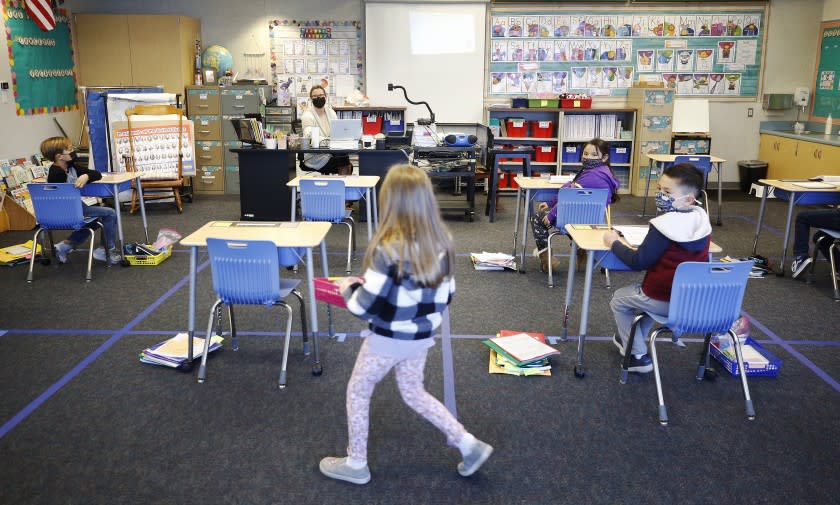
[
  {"x": 57, "y": 206},
  {"x": 245, "y": 272},
  {"x": 322, "y": 200},
  {"x": 702, "y": 162},
  {"x": 581, "y": 206},
  {"x": 706, "y": 297}
]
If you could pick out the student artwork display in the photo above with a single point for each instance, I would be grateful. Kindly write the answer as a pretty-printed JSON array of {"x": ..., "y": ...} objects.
[
  {"x": 326, "y": 53},
  {"x": 43, "y": 79},
  {"x": 692, "y": 53}
]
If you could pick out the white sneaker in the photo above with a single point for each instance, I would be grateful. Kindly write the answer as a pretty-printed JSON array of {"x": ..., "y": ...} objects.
[
  {"x": 799, "y": 265},
  {"x": 62, "y": 249},
  {"x": 99, "y": 255}
]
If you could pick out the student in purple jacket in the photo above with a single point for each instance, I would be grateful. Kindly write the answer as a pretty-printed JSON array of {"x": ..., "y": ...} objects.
[{"x": 594, "y": 174}]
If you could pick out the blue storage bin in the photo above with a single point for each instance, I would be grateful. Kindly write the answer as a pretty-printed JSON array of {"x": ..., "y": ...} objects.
[
  {"x": 619, "y": 154},
  {"x": 571, "y": 153},
  {"x": 771, "y": 369}
]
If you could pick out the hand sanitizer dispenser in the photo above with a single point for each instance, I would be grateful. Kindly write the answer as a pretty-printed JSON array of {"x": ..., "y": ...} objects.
[{"x": 801, "y": 97}]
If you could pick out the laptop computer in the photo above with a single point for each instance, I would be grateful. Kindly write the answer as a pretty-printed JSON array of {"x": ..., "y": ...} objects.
[{"x": 345, "y": 133}]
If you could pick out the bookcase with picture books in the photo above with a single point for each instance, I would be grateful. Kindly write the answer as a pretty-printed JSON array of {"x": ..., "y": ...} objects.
[{"x": 558, "y": 136}]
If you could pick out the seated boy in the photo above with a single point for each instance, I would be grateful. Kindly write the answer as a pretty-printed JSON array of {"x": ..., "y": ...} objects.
[
  {"x": 681, "y": 232},
  {"x": 805, "y": 220},
  {"x": 60, "y": 151}
]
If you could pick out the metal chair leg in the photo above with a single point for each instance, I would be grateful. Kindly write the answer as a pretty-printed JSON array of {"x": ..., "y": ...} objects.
[
  {"x": 303, "y": 325},
  {"x": 831, "y": 257},
  {"x": 234, "y": 339},
  {"x": 282, "y": 383},
  {"x": 739, "y": 355},
  {"x": 202, "y": 369},
  {"x": 809, "y": 279},
  {"x": 349, "y": 246},
  {"x": 663, "y": 414},
  {"x": 90, "y": 255},
  {"x": 625, "y": 363},
  {"x": 32, "y": 255},
  {"x": 704, "y": 358},
  {"x": 551, "y": 255}
]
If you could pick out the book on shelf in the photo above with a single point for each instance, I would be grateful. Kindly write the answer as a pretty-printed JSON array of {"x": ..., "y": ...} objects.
[{"x": 521, "y": 348}]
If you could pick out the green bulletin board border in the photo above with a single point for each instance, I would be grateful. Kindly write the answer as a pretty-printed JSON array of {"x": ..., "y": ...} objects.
[
  {"x": 827, "y": 101},
  {"x": 751, "y": 75}
]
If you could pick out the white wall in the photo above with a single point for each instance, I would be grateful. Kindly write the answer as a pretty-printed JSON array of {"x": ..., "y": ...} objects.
[{"x": 789, "y": 60}]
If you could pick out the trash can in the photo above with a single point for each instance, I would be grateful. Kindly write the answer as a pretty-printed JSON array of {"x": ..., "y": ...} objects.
[{"x": 749, "y": 172}]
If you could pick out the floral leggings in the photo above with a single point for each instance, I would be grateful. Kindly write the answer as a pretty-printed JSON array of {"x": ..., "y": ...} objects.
[{"x": 370, "y": 368}]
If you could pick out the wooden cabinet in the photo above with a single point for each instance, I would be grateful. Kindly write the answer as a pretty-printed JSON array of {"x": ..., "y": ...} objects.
[
  {"x": 136, "y": 50},
  {"x": 789, "y": 158}
]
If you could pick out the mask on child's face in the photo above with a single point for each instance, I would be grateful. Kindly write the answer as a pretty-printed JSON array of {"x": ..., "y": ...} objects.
[
  {"x": 591, "y": 163},
  {"x": 665, "y": 203}
]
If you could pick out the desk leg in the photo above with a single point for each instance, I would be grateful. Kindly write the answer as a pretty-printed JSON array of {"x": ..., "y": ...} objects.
[
  {"x": 516, "y": 219},
  {"x": 313, "y": 310},
  {"x": 116, "y": 191},
  {"x": 760, "y": 217},
  {"x": 187, "y": 366},
  {"x": 471, "y": 195},
  {"x": 526, "y": 213},
  {"x": 584, "y": 313},
  {"x": 570, "y": 284},
  {"x": 491, "y": 194},
  {"x": 791, "y": 205},
  {"x": 375, "y": 209},
  {"x": 369, "y": 220},
  {"x": 720, "y": 194},
  {"x": 294, "y": 204},
  {"x": 647, "y": 186},
  {"x": 325, "y": 268}
]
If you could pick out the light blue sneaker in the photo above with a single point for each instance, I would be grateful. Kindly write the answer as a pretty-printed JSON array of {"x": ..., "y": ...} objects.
[
  {"x": 337, "y": 468},
  {"x": 62, "y": 249},
  {"x": 476, "y": 457},
  {"x": 114, "y": 256}
]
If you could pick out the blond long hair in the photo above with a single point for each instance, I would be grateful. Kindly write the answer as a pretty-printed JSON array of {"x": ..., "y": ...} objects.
[{"x": 411, "y": 230}]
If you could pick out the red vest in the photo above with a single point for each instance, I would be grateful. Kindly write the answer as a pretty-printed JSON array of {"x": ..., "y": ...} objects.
[{"x": 660, "y": 276}]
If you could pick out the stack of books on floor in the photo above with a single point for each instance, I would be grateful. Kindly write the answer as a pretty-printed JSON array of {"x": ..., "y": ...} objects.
[
  {"x": 173, "y": 352},
  {"x": 519, "y": 353},
  {"x": 18, "y": 254},
  {"x": 759, "y": 268},
  {"x": 492, "y": 261}
]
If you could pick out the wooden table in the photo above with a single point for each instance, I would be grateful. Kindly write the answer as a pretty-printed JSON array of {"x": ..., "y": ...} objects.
[
  {"x": 591, "y": 239},
  {"x": 109, "y": 186},
  {"x": 786, "y": 189},
  {"x": 365, "y": 182},
  {"x": 283, "y": 234},
  {"x": 660, "y": 160}
]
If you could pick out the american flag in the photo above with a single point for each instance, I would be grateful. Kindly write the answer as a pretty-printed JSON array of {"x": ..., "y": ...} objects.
[{"x": 42, "y": 14}]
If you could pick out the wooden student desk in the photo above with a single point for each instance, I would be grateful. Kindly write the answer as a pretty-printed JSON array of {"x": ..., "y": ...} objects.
[
  {"x": 283, "y": 234},
  {"x": 590, "y": 238},
  {"x": 657, "y": 162},
  {"x": 109, "y": 186},
  {"x": 786, "y": 189},
  {"x": 528, "y": 184},
  {"x": 366, "y": 182}
]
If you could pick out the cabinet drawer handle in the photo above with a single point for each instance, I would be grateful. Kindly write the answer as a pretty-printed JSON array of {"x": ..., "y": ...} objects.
[
  {"x": 203, "y": 131},
  {"x": 206, "y": 157},
  {"x": 239, "y": 106},
  {"x": 203, "y": 105},
  {"x": 820, "y": 154}
]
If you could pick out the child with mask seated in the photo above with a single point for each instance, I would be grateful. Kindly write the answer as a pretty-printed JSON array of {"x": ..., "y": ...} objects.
[{"x": 681, "y": 232}]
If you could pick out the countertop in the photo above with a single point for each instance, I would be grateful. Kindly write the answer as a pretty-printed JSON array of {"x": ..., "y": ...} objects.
[{"x": 814, "y": 132}]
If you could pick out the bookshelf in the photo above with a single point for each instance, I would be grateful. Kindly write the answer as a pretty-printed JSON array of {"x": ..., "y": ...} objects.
[{"x": 558, "y": 135}]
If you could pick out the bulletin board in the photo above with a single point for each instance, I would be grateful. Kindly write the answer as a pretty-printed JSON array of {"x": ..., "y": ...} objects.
[
  {"x": 827, "y": 87},
  {"x": 306, "y": 53},
  {"x": 702, "y": 52}
]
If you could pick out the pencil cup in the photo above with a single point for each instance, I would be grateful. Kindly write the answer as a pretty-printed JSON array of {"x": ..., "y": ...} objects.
[
  {"x": 304, "y": 142},
  {"x": 271, "y": 143}
]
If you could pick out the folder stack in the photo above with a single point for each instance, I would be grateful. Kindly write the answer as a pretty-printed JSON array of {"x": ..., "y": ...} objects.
[
  {"x": 173, "y": 352},
  {"x": 519, "y": 353},
  {"x": 492, "y": 261}
]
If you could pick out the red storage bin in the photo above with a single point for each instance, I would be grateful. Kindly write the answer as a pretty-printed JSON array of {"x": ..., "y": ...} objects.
[
  {"x": 511, "y": 180},
  {"x": 371, "y": 124},
  {"x": 576, "y": 103},
  {"x": 547, "y": 154},
  {"x": 542, "y": 129},
  {"x": 516, "y": 127}
]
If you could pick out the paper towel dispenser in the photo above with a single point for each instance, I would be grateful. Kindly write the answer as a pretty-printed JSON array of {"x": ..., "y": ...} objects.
[{"x": 777, "y": 101}]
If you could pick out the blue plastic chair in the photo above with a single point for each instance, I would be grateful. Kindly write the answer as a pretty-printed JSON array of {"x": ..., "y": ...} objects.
[
  {"x": 248, "y": 273},
  {"x": 577, "y": 206},
  {"x": 706, "y": 298},
  {"x": 59, "y": 207},
  {"x": 323, "y": 200},
  {"x": 704, "y": 163}
]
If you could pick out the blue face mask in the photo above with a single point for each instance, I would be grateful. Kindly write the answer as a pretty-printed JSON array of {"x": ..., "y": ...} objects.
[
  {"x": 665, "y": 203},
  {"x": 591, "y": 163}
]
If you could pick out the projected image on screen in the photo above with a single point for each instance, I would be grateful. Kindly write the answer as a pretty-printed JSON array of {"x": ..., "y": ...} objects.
[{"x": 441, "y": 33}]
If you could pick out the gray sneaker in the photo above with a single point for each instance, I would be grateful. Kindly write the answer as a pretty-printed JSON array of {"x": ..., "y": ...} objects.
[
  {"x": 62, "y": 249},
  {"x": 799, "y": 265},
  {"x": 337, "y": 468},
  {"x": 113, "y": 256},
  {"x": 477, "y": 456}
]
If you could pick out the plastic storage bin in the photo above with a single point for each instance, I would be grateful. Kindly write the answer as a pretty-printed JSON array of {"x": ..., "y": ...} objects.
[
  {"x": 519, "y": 103},
  {"x": 771, "y": 369},
  {"x": 571, "y": 154},
  {"x": 516, "y": 127},
  {"x": 545, "y": 154},
  {"x": 576, "y": 103},
  {"x": 371, "y": 124},
  {"x": 542, "y": 129},
  {"x": 145, "y": 260},
  {"x": 619, "y": 154},
  {"x": 537, "y": 103}
]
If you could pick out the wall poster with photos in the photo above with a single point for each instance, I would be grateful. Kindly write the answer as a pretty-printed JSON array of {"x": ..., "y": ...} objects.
[
  {"x": 695, "y": 53},
  {"x": 306, "y": 53}
]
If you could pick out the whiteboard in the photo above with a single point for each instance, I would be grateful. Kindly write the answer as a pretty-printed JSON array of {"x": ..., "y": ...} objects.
[
  {"x": 435, "y": 51},
  {"x": 690, "y": 116}
]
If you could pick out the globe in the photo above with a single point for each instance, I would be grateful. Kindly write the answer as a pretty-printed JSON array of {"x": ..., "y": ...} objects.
[{"x": 218, "y": 58}]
